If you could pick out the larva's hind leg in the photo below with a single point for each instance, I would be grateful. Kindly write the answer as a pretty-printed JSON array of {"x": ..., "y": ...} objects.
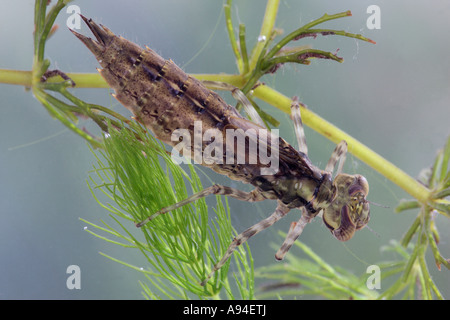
[
  {"x": 295, "y": 231},
  {"x": 279, "y": 213},
  {"x": 252, "y": 196}
]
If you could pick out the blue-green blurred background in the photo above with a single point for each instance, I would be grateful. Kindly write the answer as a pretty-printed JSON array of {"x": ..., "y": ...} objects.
[{"x": 393, "y": 96}]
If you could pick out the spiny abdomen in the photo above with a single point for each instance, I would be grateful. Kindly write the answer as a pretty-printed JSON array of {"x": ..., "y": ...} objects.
[{"x": 160, "y": 95}]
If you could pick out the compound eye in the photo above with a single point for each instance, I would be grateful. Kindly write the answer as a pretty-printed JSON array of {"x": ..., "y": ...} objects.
[
  {"x": 364, "y": 215},
  {"x": 360, "y": 185}
]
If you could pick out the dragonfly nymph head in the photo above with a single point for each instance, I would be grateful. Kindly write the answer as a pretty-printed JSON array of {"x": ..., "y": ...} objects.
[{"x": 349, "y": 210}]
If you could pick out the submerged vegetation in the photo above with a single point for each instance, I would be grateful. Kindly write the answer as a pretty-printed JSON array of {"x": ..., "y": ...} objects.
[{"x": 138, "y": 178}]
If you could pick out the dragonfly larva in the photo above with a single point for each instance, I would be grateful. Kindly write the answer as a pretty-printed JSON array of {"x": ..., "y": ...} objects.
[{"x": 166, "y": 100}]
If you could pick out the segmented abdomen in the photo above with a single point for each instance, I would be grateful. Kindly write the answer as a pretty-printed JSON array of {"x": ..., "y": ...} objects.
[
  {"x": 162, "y": 96},
  {"x": 159, "y": 93}
]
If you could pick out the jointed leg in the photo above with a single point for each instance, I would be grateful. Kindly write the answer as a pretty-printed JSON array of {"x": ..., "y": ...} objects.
[
  {"x": 249, "y": 109},
  {"x": 338, "y": 154},
  {"x": 295, "y": 231},
  {"x": 298, "y": 125},
  {"x": 240, "y": 97},
  {"x": 279, "y": 213},
  {"x": 53, "y": 73},
  {"x": 215, "y": 189}
]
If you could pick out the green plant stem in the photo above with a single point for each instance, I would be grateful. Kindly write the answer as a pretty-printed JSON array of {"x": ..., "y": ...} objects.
[
  {"x": 266, "y": 30},
  {"x": 294, "y": 57},
  {"x": 17, "y": 77},
  {"x": 231, "y": 36},
  {"x": 44, "y": 98},
  {"x": 355, "y": 147},
  {"x": 243, "y": 46},
  {"x": 303, "y": 29}
]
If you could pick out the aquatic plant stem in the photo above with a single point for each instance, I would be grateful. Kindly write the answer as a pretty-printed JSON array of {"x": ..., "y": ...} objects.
[
  {"x": 267, "y": 27},
  {"x": 359, "y": 150}
]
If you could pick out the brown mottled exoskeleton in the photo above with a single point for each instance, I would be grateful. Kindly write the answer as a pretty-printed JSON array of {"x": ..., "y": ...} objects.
[{"x": 165, "y": 99}]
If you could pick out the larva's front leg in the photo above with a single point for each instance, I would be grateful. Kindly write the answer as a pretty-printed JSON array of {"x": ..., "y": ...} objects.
[
  {"x": 240, "y": 97},
  {"x": 298, "y": 126}
]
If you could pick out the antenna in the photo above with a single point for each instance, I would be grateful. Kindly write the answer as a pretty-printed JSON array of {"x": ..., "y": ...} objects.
[{"x": 377, "y": 204}]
